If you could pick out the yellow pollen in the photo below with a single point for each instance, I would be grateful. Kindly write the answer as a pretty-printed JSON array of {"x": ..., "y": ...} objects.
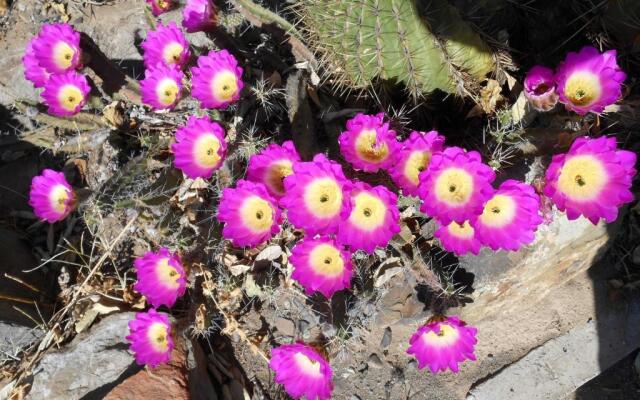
[
  {"x": 172, "y": 52},
  {"x": 463, "y": 231},
  {"x": 69, "y": 97},
  {"x": 326, "y": 260},
  {"x": 276, "y": 172},
  {"x": 157, "y": 336},
  {"x": 447, "y": 336},
  {"x": 454, "y": 186},
  {"x": 307, "y": 365},
  {"x": 224, "y": 86},
  {"x": 368, "y": 213},
  {"x": 162, "y": 4},
  {"x": 323, "y": 198},
  {"x": 167, "y": 274},
  {"x": 582, "y": 178},
  {"x": 58, "y": 198},
  {"x": 256, "y": 214},
  {"x": 206, "y": 151},
  {"x": 583, "y": 88},
  {"x": 368, "y": 149},
  {"x": 417, "y": 162},
  {"x": 63, "y": 55},
  {"x": 167, "y": 91},
  {"x": 499, "y": 211}
]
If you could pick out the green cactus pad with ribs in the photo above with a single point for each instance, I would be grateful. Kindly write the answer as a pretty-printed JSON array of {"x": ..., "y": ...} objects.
[{"x": 424, "y": 45}]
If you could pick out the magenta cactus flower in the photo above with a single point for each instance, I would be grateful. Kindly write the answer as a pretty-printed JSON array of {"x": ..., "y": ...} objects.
[
  {"x": 459, "y": 239},
  {"x": 272, "y": 165},
  {"x": 161, "y": 6},
  {"x": 161, "y": 87},
  {"x": 250, "y": 215},
  {"x": 321, "y": 265},
  {"x": 161, "y": 277},
  {"x": 198, "y": 15},
  {"x": 150, "y": 338},
  {"x": 302, "y": 371},
  {"x": 413, "y": 158},
  {"x": 51, "y": 196},
  {"x": 592, "y": 179},
  {"x": 368, "y": 143},
  {"x": 33, "y": 71},
  {"x": 540, "y": 88},
  {"x": 443, "y": 343},
  {"x": 57, "y": 48},
  {"x": 455, "y": 186},
  {"x": 510, "y": 217},
  {"x": 65, "y": 94},
  {"x": 370, "y": 219},
  {"x": 200, "y": 147},
  {"x": 217, "y": 80},
  {"x": 315, "y": 195},
  {"x": 588, "y": 81},
  {"x": 166, "y": 45}
]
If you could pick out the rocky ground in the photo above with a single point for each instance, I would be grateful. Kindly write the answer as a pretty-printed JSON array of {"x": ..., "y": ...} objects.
[{"x": 550, "y": 317}]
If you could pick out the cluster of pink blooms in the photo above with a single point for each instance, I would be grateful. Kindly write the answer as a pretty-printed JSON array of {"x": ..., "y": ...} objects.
[
  {"x": 586, "y": 81},
  {"x": 51, "y": 62}
]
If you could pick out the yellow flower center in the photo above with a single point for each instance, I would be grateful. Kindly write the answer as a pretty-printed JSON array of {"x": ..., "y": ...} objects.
[
  {"x": 462, "y": 231},
  {"x": 323, "y": 197},
  {"x": 63, "y": 55},
  {"x": 167, "y": 91},
  {"x": 583, "y": 88},
  {"x": 499, "y": 211},
  {"x": 368, "y": 149},
  {"x": 582, "y": 178},
  {"x": 167, "y": 274},
  {"x": 447, "y": 336},
  {"x": 162, "y": 4},
  {"x": 307, "y": 365},
  {"x": 58, "y": 198},
  {"x": 276, "y": 172},
  {"x": 368, "y": 212},
  {"x": 454, "y": 186},
  {"x": 224, "y": 85},
  {"x": 326, "y": 260},
  {"x": 206, "y": 151},
  {"x": 157, "y": 335},
  {"x": 417, "y": 162},
  {"x": 172, "y": 52},
  {"x": 256, "y": 214},
  {"x": 69, "y": 97}
]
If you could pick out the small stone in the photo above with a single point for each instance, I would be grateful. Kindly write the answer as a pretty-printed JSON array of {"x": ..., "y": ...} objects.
[
  {"x": 636, "y": 255},
  {"x": 285, "y": 327},
  {"x": 375, "y": 361},
  {"x": 386, "y": 338}
]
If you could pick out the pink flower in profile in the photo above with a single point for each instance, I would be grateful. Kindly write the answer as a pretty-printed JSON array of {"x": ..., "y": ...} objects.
[
  {"x": 459, "y": 239},
  {"x": 315, "y": 194},
  {"x": 588, "y": 81},
  {"x": 198, "y": 15},
  {"x": 540, "y": 88},
  {"x": 166, "y": 45},
  {"x": 217, "y": 80},
  {"x": 272, "y": 165},
  {"x": 161, "y": 6},
  {"x": 592, "y": 179},
  {"x": 200, "y": 147},
  {"x": 250, "y": 215},
  {"x": 161, "y": 277},
  {"x": 413, "y": 158},
  {"x": 33, "y": 71},
  {"x": 321, "y": 265},
  {"x": 302, "y": 371},
  {"x": 51, "y": 196},
  {"x": 510, "y": 217},
  {"x": 161, "y": 87},
  {"x": 57, "y": 48},
  {"x": 368, "y": 143},
  {"x": 455, "y": 186},
  {"x": 444, "y": 342},
  {"x": 65, "y": 94},
  {"x": 370, "y": 219},
  {"x": 150, "y": 338}
]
